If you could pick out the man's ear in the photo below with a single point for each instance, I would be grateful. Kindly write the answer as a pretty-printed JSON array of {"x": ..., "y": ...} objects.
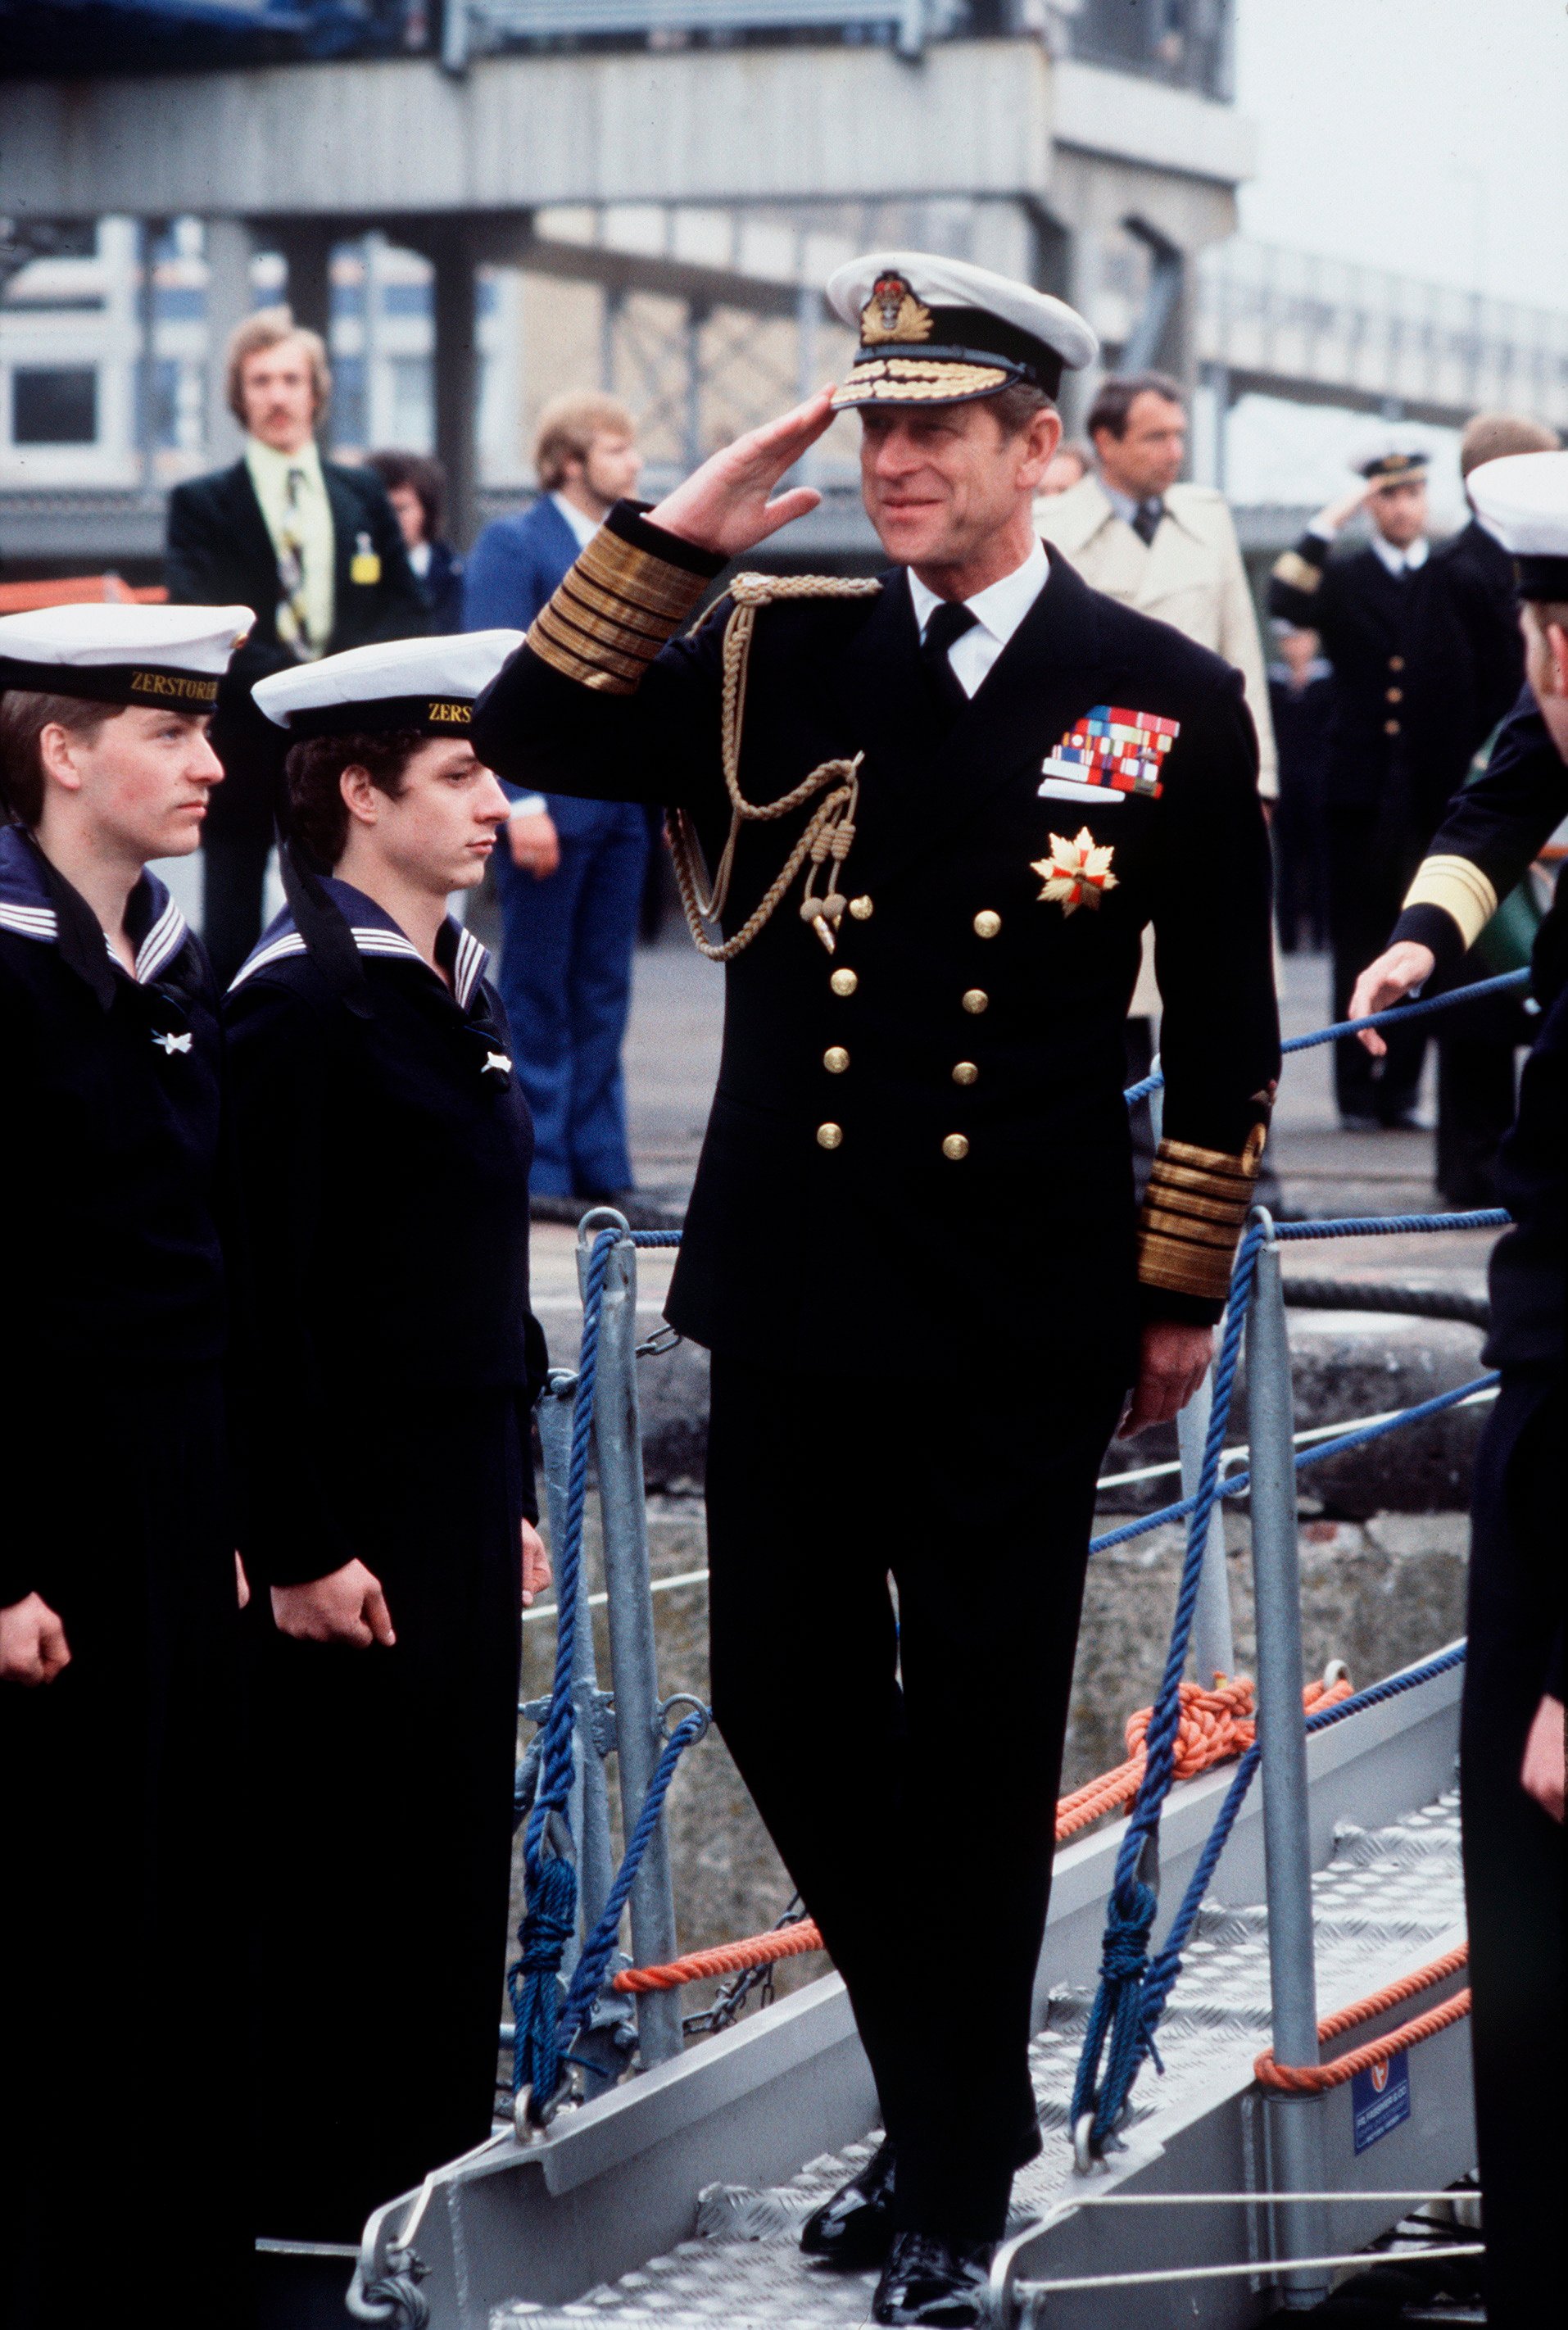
[
  {"x": 361, "y": 793},
  {"x": 1041, "y": 440},
  {"x": 56, "y": 752},
  {"x": 1557, "y": 647}
]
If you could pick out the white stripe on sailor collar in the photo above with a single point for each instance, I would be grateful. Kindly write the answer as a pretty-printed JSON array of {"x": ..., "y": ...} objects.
[
  {"x": 160, "y": 946},
  {"x": 468, "y": 963}
]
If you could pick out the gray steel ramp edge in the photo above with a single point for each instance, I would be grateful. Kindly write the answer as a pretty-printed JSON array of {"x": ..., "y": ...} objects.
[{"x": 616, "y": 2186}]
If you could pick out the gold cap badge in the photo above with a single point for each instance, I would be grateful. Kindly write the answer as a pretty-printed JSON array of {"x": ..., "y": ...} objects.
[{"x": 892, "y": 313}]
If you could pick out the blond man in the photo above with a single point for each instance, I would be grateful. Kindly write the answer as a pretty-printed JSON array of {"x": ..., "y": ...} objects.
[{"x": 316, "y": 548}]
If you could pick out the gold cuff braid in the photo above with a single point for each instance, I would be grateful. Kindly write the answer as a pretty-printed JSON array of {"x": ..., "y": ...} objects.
[
  {"x": 1193, "y": 1217},
  {"x": 617, "y": 608},
  {"x": 1298, "y": 574},
  {"x": 1459, "y": 888}
]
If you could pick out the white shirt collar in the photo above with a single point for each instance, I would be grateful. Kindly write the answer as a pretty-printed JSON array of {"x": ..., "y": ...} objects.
[
  {"x": 269, "y": 463},
  {"x": 1001, "y": 606},
  {"x": 583, "y": 527},
  {"x": 1401, "y": 561}
]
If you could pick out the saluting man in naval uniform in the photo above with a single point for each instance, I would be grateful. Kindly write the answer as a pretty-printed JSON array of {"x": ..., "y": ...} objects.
[
  {"x": 387, "y": 1361},
  {"x": 121, "y": 1943},
  {"x": 938, "y": 809},
  {"x": 1511, "y": 1758}
]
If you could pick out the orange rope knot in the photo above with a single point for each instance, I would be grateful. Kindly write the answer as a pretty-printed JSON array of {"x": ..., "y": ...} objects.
[{"x": 1315, "y": 2078}]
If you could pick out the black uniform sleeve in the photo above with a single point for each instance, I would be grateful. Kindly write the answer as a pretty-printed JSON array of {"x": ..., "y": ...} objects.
[
  {"x": 283, "y": 1062},
  {"x": 1297, "y": 584},
  {"x": 1220, "y": 1028},
  {"x": 601, "y": 702},
  {"x": 1493, "y": 830}
]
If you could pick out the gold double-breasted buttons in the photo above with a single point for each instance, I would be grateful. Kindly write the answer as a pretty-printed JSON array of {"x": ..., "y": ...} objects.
[
  {"x": 955, "y": 1147},
  {"x": 1391, "y": 727},
  {"x": 829, "y": 1136},
  {"x": 1394, "y": 695},
  {"x": 836, "y": 1059},
  {"x": 965, "y": 1072},
  {"x": 988, "y": 923},
  {"x": 975, "y": 999},
  {"x": 845, "y": 981},
  {"x": 862, "y": 909}
]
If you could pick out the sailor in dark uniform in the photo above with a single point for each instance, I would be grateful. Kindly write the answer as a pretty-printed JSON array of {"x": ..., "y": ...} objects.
[
  {"x": 1421, "y": 674},
  {"x": 940, "y": 808},
  {"x": 121, "y": 1948},
  {"x": 1511, "y": 1740},
  {"x": 387, "y": 1362}
]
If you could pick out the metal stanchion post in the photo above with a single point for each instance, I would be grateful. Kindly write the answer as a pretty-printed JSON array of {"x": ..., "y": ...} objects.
[
  {"x": 618, "y": 1447},
  {"x": 588, "y": 1807},
  {"x": 1295, "y": 2122}
]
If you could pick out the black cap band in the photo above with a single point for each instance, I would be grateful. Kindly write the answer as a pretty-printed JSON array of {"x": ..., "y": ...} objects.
[
  {"x": 1541, "y": 576},
  {"x": 433, "y": 715},
  {"x": 124, "y": 684}
]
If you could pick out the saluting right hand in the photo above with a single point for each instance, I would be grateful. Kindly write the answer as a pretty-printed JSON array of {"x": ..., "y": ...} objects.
[
  {"x": 348, "y": 1606},
  {"x": 724, "y": 505},
  {"x": 32, "y": 1644}
]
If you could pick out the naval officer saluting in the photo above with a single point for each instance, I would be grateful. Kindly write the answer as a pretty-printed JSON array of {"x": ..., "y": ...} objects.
[
  {"x": 388, "y": 1362},
  {"x": 121, "y": 1946},
  {"x": 940, "y": 808}
]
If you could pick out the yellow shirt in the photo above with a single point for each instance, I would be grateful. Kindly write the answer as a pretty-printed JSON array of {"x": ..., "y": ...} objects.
[{"x": 292, "y": 493}]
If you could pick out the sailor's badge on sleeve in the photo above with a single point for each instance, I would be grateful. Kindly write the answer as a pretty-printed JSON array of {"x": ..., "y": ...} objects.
[
  {"x": 1077, "y": 873},
  {"x": 1111, "y": 752}
]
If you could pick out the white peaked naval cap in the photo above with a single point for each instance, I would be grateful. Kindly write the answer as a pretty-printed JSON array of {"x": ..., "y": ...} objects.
[
  {"x": 937, "y": 331},
  {"x": 403, "y": 683},
  {"x": 1523, "y": 499},
  {"x": 168, "y": 658}
]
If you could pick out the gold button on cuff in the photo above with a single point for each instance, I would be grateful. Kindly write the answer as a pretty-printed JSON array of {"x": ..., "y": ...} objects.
[
  {"x": 1391, "y": 727},
  {"x": 974, "y": 999},
  {"x": 965, "y": 1072},
  {"x": 955, "y": 1146},
  {"x": 862, "y": 909},
  {"x": 1394, "y": 695},
  {"x": 829, "y": 1136},
  {"x": 988, "y": 923},
  {"x": 836, "y": 1059},
  {"x": 845, "y": 983}
]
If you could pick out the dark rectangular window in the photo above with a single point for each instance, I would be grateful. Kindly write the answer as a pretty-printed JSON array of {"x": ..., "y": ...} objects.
[
  {"x": 348, "y": 400},
  {"x": 54, "y": 405}
]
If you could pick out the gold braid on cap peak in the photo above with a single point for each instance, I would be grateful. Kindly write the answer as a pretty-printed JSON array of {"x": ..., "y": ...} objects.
[
  {"x": 617, "y": 608},
  {"x": 1193, "y": 1216}
]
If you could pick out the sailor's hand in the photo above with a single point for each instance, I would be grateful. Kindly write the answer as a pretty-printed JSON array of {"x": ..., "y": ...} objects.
[
  {"x": 32, "y": 1644},
  {"x": 536, "y": 1569},
  {"x": 241, "y": 1585},
  {"x": 1541, "y": 1774},
  {"x": 349, "y": 1606},
  {"x": 1172, "y": 1364},
  {"x": 724, "y": 505},
  {"x": 1387, "y": 981}
]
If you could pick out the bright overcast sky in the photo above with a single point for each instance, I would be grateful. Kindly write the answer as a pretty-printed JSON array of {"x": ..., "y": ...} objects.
[{"x": 1427, "y": 136}]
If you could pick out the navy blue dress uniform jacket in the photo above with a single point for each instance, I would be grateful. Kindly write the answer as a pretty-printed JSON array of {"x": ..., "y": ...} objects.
[
  {"x": 884, "y": 1252},
  {"x": 122, "y": 1775}
]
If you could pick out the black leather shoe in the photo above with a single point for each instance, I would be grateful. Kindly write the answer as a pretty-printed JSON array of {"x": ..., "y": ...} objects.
[
  {"x": 933, "y": 2281},
  {"x": 854, "y": 2231}
]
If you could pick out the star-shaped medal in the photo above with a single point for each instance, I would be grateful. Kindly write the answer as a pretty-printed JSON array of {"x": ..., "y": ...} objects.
[
  {"x": 1077, "y": 873},
  {"x": 498, "y": 1062},
  {"x": 170, "y": 1045}
]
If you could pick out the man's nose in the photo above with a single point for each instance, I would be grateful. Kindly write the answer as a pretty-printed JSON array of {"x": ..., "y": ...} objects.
[{"x": 206, "y": 769}]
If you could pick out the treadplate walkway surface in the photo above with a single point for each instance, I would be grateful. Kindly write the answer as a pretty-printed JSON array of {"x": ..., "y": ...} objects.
[{"x": 1389, "y": 1899}]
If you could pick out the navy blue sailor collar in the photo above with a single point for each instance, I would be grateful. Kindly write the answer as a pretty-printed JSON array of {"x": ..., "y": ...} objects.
[
  {"x": 378, "y": 938},
  {"x": 32, "y": 894}
]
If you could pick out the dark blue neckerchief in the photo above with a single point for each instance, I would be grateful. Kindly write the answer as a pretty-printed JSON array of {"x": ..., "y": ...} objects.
[
  {"x": 339, "y": 908},
  {"x": 37, "y": 902}
]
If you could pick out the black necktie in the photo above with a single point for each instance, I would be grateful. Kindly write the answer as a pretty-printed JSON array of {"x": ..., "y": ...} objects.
[
  {"x": 1147, "y": 519},
  {"x": 948, "y": 622}
]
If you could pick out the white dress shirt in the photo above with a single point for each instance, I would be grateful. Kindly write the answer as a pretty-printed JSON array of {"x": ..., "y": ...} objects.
[
  {"x": 1401, "y": 561},
  {"x": 998, "y": 610}
]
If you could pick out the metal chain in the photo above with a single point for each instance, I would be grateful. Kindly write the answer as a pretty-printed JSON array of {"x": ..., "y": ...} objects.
[{"x": 831, "y": 828}]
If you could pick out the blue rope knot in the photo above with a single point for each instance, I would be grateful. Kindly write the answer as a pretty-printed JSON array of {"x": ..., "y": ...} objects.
[{"x": 532, "y": 1983}]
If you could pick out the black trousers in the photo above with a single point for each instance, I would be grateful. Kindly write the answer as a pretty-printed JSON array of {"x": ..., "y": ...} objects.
[
  {"x": 1367, "y": 880},
  {"x": 908, "y": 1767},
  {"x": 1476, "y": 1089},
  {"x": 384, "y": 1824},
  {"x": 1514, "y": 1864},
  {"x": 123, "y": 1958}
]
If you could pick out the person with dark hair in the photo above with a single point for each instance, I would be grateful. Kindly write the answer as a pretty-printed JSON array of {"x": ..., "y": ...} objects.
[
  {"x": 572, "y": 875},
  {"x": 313, "y": 545},
  {"x": 416, "y": 487},
  {"x": 1301, "y": 692},
  {"x": 939, "y": 807},
  {"x": 119, "y": 1626},
  {"x": 387, "y": 1362}
]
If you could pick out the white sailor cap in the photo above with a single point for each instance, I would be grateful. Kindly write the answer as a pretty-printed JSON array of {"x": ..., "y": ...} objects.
[
  {"x": 428, "y": 684},
  {"x": 1523, "y": 499},
  {"x": 169, "y": 657},
  {"x": 937, "y": 331}
]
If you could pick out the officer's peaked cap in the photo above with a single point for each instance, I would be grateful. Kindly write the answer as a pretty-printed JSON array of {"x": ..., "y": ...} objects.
[
  {"x": 169, "y": 658},
  {"x": 937, "y": 331},
  {"x": 1393, "y": 461},
  {"x": 429, "y": 684},
  {"x": 1523, "y": 499}
]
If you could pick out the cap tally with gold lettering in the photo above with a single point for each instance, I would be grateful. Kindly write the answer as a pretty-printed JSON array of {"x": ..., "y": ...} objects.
[
  {"x": 427, "y": 686},
  {"x": 1523, "y": 499},
  {"x": 168, "y": 659},
  {"x": 937, "y": 331}
]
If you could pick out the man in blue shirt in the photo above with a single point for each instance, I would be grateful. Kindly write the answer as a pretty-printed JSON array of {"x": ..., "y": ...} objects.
[{"x": 572, "y": 879}]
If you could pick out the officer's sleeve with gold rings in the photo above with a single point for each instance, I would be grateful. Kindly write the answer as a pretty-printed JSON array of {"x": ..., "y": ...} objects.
[
  {"x": 624, "y": 599},
  {"x": 1219, "y": 1028}
]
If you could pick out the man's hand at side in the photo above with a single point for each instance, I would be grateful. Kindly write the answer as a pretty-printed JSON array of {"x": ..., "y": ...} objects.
[
  {"x": 536, "y": 1569},
  {"x": 349, "y": 1606},
  {"x": 32, "y": 1644},
  {"x": 1387, "y": 981},
  {"x": 534, "y": 844},
  {"x": 1171, "y": 1366},
  {"x": 1541, "y": 1774},
  {"x": 724, "y": 505}
]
